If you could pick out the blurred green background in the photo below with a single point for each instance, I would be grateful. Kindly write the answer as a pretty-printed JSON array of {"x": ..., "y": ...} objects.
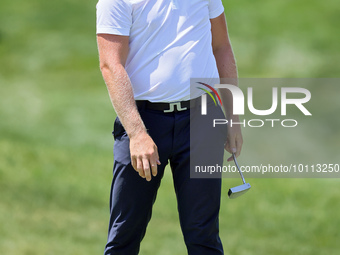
[{"x": 56, "y": 143}]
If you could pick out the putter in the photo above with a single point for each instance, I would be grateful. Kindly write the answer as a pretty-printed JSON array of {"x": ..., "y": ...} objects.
[{"x": 241, "y": 189}]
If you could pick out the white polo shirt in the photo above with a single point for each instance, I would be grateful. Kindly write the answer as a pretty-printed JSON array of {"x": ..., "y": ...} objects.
[{"x": 169, "y": 40}]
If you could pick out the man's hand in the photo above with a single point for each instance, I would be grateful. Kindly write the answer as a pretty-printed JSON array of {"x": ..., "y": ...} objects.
[
  {"x": 234, "y": 141},
  {"x": 144, "y": 155},
  {"x": 113, "y": 51}
]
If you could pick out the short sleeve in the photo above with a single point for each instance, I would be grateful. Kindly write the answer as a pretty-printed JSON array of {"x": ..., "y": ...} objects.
[
  {"x": 215, "y": 8},
  {"x": 114, "y": 17}
]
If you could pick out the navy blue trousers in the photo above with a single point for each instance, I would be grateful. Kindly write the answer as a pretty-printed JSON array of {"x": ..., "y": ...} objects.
[{"x": 198, "y": 199}]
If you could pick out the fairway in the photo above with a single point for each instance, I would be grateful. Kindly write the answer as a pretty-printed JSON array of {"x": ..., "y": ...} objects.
[{"x": 56, "y": 144}]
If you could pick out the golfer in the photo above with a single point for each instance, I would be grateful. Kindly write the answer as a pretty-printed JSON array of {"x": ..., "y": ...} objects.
[{"x": 149, "y": 50}]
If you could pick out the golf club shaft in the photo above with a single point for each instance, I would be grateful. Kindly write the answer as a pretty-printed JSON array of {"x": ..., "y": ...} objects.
[{"x": 239, "y": 170}]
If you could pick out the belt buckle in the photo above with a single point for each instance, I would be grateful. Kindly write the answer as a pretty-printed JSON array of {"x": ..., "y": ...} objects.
[{"x": 172, "y": 107}]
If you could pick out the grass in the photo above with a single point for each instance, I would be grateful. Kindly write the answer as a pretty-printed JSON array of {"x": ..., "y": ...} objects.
[{"x": 56, "y": 142}]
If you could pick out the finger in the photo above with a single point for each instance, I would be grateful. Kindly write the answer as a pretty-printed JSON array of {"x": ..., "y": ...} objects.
[
  {"x": 153, "y": 167},
  {"x": 233, "y": 145},
  {"x": 227, "y": 147},
  {"x": 157, "y": 157},
  {"x": 154, "y": 163},
  {"x": 134, "y": 163},
  {"x": 239, "y": 143},
  {"x": 140, "y": 167},
  {"x": 146, "y": 169},
  {"x": 230, "y": 159}
]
